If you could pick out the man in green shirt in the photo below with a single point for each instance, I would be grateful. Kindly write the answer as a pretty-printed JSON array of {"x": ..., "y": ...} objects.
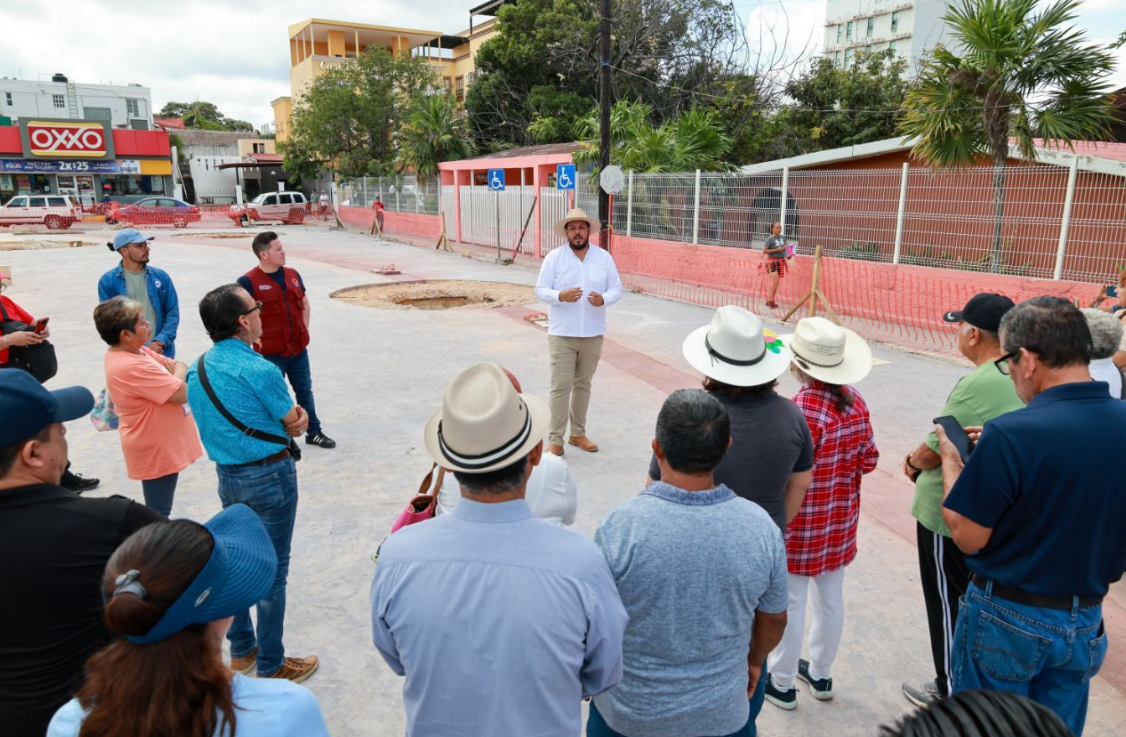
[{"x": 984, "y": 394}]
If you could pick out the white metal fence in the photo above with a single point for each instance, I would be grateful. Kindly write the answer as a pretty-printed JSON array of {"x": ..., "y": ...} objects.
[{"x": 399, "y": 194}]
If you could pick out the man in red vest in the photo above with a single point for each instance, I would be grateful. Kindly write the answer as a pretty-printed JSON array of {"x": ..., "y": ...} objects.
[{"x": 285, "y": 324}]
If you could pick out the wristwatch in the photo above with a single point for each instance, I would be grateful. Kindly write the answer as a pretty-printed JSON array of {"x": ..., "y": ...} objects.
[{"x": 911, "y": 465}]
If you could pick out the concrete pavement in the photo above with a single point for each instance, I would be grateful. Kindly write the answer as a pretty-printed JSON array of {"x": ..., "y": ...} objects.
[{"x": 378, "y": 374}]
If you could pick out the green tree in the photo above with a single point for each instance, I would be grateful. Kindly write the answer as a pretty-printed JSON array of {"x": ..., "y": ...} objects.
[
  {"x": 833, "y": 107},
  {"x": 434, "y": 133},
  {"x": 693, "y": 140},
  {"x": 203, "y": 115},
  {"x": 349, "y": 116},
  {"x": 1021, "y": 74}
]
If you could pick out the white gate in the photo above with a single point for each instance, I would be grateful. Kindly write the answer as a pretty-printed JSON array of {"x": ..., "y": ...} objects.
[{"x": 554, "y": 204}]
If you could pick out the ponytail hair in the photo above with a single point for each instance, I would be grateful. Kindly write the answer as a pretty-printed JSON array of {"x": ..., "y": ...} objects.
[
  {"x": 177, "y": 685},
  {"x": 843, "y": 398}
]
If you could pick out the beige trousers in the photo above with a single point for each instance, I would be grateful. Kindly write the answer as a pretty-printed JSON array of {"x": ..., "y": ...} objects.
[{"x": 573, "y": 363}]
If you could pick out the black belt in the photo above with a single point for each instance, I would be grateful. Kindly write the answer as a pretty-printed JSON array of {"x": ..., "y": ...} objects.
[
  {"x": 1020, "y": 596},
  {"x": 281, "y": 455}
]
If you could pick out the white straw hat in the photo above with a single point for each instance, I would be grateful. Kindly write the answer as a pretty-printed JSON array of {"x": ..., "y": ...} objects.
[
  {"x": 577, "y": 214},
  {"x": 827, "y": 352},
  {"x": 483, "y": 423},
  {"x": 736, "y": 350}
]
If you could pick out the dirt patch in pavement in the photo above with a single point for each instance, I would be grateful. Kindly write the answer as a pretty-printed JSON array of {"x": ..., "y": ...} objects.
[
  {"x": 437, "y": 295},
  {"x": 38, "y": 245},
  {"x": 213, "y": 236}
]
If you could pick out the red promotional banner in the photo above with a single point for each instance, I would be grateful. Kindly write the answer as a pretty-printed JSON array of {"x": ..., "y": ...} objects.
[{"x": 69, "y": 140}]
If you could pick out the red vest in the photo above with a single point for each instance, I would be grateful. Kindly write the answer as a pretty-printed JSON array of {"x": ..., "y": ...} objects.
[{"x": 284, "y": 332}]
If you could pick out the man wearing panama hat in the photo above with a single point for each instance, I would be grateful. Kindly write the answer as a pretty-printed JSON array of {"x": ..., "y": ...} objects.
[
  {"x": 576, "y": 283},
  {"x": 501, "y": 622}
]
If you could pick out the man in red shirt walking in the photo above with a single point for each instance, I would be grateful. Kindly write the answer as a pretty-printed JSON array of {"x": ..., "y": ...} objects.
[{"x": 285, "y": 324}]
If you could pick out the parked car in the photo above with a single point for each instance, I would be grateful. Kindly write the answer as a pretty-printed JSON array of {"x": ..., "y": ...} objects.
[
  {"x": 286, "y": 207},
  {"x": 57, "y": 212},
  {"x": 153, "y": 211}
]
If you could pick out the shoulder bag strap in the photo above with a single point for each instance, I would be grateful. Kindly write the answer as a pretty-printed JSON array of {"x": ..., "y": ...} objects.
[{"x": 249, "y": 431}]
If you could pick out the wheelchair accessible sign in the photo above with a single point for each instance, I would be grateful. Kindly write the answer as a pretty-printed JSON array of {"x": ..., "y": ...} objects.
[
  {"x": 565, "y": 176},
  {"x": 496, "y": 180}
]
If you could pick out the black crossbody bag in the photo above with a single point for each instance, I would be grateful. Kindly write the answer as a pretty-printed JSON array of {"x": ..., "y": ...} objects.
[
  {"x": 288, "y": 442},
  {"x": 38, "y": 360}
]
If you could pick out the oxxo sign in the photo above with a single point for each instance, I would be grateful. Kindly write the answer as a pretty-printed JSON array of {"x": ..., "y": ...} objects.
[{"x": 66, "y": 139}]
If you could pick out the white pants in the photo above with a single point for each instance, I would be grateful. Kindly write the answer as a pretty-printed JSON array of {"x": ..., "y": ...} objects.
[{"x": 824, "y": 632}]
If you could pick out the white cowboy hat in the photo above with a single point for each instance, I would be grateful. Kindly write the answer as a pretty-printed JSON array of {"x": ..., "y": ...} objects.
[
  {"x": 736, "y": 350},
  {"x": 576, "y": 214},
  {"x": 483, "y": 424},
  {"x": 827, "y": 352}
]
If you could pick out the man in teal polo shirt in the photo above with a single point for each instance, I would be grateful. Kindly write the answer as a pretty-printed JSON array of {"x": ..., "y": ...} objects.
[
  {"x": 257, "y": 472},
  {"x": 982, "y": 395}
]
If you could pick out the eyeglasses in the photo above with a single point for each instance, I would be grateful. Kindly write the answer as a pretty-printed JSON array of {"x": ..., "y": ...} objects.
[
  {"x": 1002, "y": 363},
  {"x": 256, "y": 308}
]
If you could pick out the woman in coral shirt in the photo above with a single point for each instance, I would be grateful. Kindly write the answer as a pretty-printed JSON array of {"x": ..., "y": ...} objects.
[{"x": 158, "y": 435}]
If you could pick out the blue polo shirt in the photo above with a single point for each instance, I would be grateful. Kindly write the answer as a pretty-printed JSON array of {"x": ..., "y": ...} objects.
[
  {"x": 252, "y": 389},
  {"x": 1048, "y": 480}
]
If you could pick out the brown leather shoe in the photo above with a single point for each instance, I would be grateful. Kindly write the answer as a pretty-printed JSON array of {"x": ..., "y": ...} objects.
[
  {"x": 297, "y": 669},
  {"x": 246, "y": 663},
  {"x": 584, "y": 443},
  {"x": 555, "y": 449}
]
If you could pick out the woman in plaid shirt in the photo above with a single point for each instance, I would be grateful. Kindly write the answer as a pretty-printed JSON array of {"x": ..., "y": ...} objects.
[{"x": 821, "y": 539}]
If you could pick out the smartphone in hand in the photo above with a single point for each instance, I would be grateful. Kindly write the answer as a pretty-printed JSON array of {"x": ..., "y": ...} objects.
[
  {"x": 1112, "y": 291},
  {"x": 957, "y": 435},
  {"x": 41, "y": 324}
]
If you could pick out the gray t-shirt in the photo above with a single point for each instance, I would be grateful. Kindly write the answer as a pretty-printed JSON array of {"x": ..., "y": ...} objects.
[
  {"x": 770, "y": 440},
  {"x": 137, "y": 288},
  {"x": 775, "y": 241},
  {"x": 691, "y": 568}
]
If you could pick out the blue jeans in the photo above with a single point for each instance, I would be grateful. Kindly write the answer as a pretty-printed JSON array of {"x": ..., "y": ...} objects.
[
  {"x": 596, "y": 726},
  {"x": 300, "y": 375},
  {"x": 271, "y": 491},
  {"x": 1048, "y": 655},
  {"x": 159, "y": 492}
]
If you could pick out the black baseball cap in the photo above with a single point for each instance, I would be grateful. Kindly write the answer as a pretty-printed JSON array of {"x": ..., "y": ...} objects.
[
  {"x": 27, "y": 407},
  {"x": 983, "y": 311}
]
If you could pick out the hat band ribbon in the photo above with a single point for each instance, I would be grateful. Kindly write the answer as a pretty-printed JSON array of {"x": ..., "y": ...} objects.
[
  {"x": 473, "y": 462},
  {"x": 797, "y": 354},
  {"x": 734, "y": 362}
]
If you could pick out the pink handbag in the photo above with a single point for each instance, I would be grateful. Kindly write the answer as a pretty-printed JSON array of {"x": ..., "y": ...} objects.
[{"x": 424, "y": 504}]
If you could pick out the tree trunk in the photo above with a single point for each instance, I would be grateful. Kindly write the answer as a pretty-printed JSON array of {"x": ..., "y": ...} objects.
[{"x": 998, "y": 215}]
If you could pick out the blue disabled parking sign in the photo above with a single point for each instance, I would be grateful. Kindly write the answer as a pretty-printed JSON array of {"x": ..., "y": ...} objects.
[
  {"x": 565, "y": 176},
  {"x": 496, "y": 180}
]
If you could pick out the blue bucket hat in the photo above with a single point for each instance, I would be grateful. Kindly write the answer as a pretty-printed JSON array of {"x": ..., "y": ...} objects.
[
  {"x": 239, "y": 573},
  {"x": 129, "y": 235},
  {"x": 27, "y": 407}
]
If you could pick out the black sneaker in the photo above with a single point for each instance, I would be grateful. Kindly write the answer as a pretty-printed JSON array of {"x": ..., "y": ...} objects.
[
  {"x": 820, "y": 688},
  {"x": 318, "y": 438},
  {"x": 787, "y": 699},
  {"x": 922, "y": 696},
  {"x": 78, "y": 483}
]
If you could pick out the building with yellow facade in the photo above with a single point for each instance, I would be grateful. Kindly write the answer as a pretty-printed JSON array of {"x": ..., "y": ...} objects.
[{"x": 316, "y": 45}]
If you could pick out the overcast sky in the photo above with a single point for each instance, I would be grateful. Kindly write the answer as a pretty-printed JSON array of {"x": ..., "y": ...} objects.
[{"x": 234, "y": 53}]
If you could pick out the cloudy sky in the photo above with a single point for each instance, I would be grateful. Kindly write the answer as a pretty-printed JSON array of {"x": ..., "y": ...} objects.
[{"x": 234, "y": 52}]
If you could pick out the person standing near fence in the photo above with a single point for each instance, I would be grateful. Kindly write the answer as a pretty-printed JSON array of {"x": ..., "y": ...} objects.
[
  {"x": 153, "y": 288},
  {"x": 775, "y": 251},
  {"x": 977, "y": 398},
  {"x": 577, "y": 283},
  {"x": 285, "y": 324},
  {"x": 377, "y": 221}
]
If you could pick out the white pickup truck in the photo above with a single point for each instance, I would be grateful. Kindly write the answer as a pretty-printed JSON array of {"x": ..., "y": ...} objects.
[{"x": 56, "y": 211}]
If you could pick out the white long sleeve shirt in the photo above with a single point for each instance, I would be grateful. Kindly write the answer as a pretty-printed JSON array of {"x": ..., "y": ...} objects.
[{"x": 563, "y": 270}]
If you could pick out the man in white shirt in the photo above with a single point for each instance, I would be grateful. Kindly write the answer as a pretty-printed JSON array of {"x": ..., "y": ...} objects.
[{"x": 577, "y": 284}]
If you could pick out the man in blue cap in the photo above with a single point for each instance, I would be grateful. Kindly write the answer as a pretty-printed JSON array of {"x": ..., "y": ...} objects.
[
  {"x": 150, "y": 286},
  {"x": 56, "y": 544}
]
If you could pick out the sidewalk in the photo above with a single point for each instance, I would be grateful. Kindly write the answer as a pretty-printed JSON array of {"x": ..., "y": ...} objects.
[{"x": 377, "y": 376}]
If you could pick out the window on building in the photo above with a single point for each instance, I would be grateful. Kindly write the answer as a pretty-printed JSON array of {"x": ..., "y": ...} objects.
[
  {"x": 868, "y": 49},
  {"x": 871, "y": 26},
  {"x": 448, "y": 82},
  {"x": 891, "y": 46},
  {"x": 8, "y": 97},
  {"x": 894, "y": 22},
  {"x": 132, "y": 107},
  {"x": 459, "y": 88},
  {"x": 840, "y": 33},
  {"x": 259, "y": 148},
  {"x": 847, "y": 58},
  {"x": 848, "y": 31},
  {"x": 98, "y": 113},
  {"x": 60, "y": 101},
  {"x": 837, "y": 58}
]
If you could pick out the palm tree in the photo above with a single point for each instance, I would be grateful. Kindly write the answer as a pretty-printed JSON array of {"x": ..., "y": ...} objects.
[
  {"x": 435, "y": 132},
  {"x": 1019, "y": 74},
  {"x": 694, "y": 140}
]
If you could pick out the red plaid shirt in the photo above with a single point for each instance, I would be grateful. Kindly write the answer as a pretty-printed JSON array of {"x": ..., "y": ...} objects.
[{"x": 822, "y": 537}]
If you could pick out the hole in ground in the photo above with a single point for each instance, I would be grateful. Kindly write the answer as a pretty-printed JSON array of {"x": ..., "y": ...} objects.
[{"x": 438, "y": 295}]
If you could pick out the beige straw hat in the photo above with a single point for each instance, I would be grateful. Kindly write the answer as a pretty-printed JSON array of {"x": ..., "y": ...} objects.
[
  {"x": 736, "y": 350},
  {"x": 827, "y": 352},
  {"x": 577, "y": 214}
]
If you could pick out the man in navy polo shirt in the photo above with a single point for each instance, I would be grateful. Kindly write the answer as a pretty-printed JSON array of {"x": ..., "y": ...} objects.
[{"x": 1040, "y": 512}]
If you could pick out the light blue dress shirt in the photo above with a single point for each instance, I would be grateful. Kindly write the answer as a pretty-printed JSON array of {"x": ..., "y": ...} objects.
[
  {"x": 252, "y": 389},
  {"x": 264, "y": 707},
  {"x": 500, "y": 622}
]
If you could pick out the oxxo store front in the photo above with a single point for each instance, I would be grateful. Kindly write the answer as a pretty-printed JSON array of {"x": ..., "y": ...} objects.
[{"x": 87, "y": 160}]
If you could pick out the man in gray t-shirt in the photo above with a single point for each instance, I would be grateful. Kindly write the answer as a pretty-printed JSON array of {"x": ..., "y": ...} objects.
[
  {"x": 776, "y": 261},
  {"x": 702, "y": 574}
]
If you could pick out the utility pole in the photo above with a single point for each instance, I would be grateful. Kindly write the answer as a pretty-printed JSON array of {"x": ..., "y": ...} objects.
[{"x": 604, "y": 110}]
